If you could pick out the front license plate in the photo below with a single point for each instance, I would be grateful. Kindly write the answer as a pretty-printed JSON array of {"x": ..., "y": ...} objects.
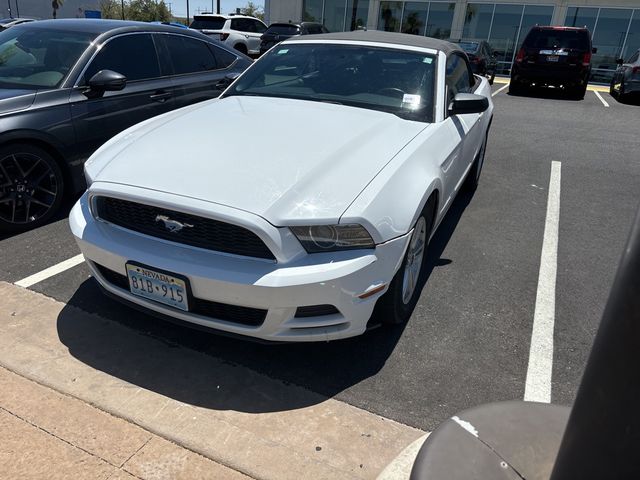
[
  {"x": 158, "y": 286},
  {"x": 552, "y": 58}
]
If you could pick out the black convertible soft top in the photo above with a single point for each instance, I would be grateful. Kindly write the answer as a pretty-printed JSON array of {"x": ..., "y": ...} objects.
[{"x": 386, "y": 37}]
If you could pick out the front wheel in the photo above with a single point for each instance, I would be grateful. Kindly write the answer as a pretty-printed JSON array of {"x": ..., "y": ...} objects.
[
  {"x": 397, "y": 304},
  {"x": 31, "y": 187}
]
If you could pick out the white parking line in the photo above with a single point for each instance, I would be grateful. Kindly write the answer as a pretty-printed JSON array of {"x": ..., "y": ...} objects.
[
  {"x": 538, "y": 384},
  {"x": 50, "y": 272},
  {"x": 604, "y": 102},
  {"x": 499, "y": 90}
]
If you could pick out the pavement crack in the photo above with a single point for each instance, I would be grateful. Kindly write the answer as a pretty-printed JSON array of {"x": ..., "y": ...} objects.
[
  {"x": 136, "y": 452},
  {"x": 57, "y": 437}
]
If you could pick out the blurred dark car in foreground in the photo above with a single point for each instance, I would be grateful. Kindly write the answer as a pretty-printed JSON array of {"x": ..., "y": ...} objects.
[
  {"x": 626, "y": 80},
  {"x": 481, "y": 58},
  {"x": 554, "y": 56},
  {"x": 68, "y": 86},
  {"x": 277, "y": 32}
]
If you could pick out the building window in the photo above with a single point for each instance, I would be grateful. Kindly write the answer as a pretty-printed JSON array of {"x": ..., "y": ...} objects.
[
  {"x": 312, "y": 11},
  {"x": 477, "y": 21},
  {"x": 504, "y": 26},
  {"x": 414, "y": 18},
  {"x": 432, "y": 19},
  {"x": 357, "y": 14},
  {"x": 337, "y": 15},
  {"x": 390, "y": 16},
  {"x": 440, "y": 20},
  {"x": 615, "y": 32}
]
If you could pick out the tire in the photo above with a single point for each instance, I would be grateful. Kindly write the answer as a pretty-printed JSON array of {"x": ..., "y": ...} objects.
[
  {"x": 612, "y": 90},
  {"x": 621, "y": 93},
  {"x": 397, "y": 304},
  {"x": 473, "y": 177},
  {"x": 577, "y": 92},
  {"x": 492, "y": 77},
  {"x": 31, "y": 187},
  {"x": 241, "y": 48},
  {"x": 516, "y": 87}
]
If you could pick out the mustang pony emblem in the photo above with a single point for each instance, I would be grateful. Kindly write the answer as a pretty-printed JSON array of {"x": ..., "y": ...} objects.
[{"x": 172, "y": 225}]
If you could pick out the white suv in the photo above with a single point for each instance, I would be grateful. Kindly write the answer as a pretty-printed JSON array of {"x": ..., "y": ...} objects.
[{"x": 239, "y": 31}]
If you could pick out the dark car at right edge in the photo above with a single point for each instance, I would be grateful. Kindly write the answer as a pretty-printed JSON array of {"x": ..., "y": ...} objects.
[
  {"x": 626, "y": 79},
  {"x": 553, "y": 56}
]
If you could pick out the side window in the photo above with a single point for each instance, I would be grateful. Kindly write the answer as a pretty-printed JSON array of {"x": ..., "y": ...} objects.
[
  {"x": 134, "y": 56},
  {"x": 258, "y": 26},
  {"x": 458, "y": 79},
  {"x": 189, "y": 55},
  {"x": 241, "y": 24},
  {"x": 223, "y": 57}
]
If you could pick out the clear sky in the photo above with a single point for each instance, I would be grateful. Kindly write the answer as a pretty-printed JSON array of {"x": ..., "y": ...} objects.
[{"x": 179, "y": 7}]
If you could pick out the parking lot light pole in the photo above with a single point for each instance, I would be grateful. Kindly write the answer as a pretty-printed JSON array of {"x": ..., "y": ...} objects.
[{"x": 122, "y": 3}]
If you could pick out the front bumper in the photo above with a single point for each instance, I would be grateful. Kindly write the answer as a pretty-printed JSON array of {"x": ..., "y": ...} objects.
[{"x": 279, "y": 288}]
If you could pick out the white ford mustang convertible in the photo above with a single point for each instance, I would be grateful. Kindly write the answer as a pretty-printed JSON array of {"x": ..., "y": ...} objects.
[{"x": 361, "y": 142}]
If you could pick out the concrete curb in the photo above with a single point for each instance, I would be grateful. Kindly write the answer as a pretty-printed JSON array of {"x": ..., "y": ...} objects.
[
  {"x": 400, "y": 467},
  {"x": 227, "y": 413}
]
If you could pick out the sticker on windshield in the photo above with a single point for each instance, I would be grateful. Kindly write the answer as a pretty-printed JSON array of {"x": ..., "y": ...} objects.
[
  {"x": 427, "y": 60},
  {"x": 411, "y": 100},
  {"x": 282, "y": 51}
]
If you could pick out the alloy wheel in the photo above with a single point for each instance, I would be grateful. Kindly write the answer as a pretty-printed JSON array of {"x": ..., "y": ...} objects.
[
  {"x": 413, "y": 263},
  {"x": 29, "y": 188}
]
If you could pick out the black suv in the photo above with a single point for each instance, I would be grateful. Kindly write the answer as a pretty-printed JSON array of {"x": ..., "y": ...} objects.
[
  {"x": 554, "y": 56},
  {"x": 67, "y": 86},
  {"x": 277, "y": 32}
]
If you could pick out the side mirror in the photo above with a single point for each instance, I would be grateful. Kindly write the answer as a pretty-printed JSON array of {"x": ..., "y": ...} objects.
[
  {"x": 620, "y": 61},
  {"x": 107, "y": 81},
  {"x": 468, "y": 103},
  {"x": 227, "y": 80},
  {"x": 594, "y": 50}
]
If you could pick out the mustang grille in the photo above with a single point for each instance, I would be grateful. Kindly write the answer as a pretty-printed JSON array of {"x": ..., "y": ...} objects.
[
  {"x": 252, "y": 317},
  {"x": 182, "y": 227}
]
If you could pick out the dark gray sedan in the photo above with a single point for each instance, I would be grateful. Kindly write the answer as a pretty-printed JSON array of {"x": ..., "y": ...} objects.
[
  {"x": 626, "y": 80},
  {"x": 68, "y": 86}
]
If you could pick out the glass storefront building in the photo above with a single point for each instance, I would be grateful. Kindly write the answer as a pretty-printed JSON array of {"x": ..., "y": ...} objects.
[{"x": 614, "y": 25}]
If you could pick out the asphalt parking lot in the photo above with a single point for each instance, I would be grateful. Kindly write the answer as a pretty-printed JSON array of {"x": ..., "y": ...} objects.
[{"x": 469, "y": 338}]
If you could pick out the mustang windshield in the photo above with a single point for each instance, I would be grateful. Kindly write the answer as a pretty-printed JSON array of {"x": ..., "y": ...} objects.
[{"x": 397, "y": 81}]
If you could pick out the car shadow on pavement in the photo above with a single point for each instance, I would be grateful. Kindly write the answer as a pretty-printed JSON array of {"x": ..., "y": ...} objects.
[{"x": 187, "y": 364}]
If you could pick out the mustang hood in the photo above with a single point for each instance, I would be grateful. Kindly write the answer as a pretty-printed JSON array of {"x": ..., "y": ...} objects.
[{"x": 282, "y": 159}]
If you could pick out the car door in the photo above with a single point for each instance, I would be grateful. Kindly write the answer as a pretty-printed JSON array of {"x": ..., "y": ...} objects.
[
  {"x": 197, "y": 72},
  {"x": 99, "y": 116},
  {"x": 459, "y": 79}
]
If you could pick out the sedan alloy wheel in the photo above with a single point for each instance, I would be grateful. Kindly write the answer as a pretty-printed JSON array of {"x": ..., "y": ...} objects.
[{"x": 31, "y": 187}]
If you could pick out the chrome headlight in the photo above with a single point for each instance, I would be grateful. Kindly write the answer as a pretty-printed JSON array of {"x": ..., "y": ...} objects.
[{"x": 331, "y": 238}]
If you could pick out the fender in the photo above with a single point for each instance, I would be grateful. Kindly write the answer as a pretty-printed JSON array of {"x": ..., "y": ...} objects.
[
  {"x": 71, "y": 168},
  {"x": 395, "y": 198}
]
